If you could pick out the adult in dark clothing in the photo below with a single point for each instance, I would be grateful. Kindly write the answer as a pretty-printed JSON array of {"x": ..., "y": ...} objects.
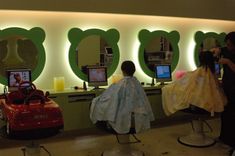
[{"x": 227, "y": 134}]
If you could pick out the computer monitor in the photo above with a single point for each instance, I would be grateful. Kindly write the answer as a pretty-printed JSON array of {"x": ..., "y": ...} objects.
[
  {"x": 17, "y": 76},
  {"x": 163, "y": 73},
  {"x": 217, "y": 70},
  {"x": 97, "y": 76},
  {"x": 109, "y": 50}
]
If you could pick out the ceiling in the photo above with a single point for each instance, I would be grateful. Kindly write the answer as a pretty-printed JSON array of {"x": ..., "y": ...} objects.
[{"x": 208, "y": 9}]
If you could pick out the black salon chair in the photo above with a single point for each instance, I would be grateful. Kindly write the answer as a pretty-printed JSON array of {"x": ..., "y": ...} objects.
[
  {"x": 197, "y": 137},
  {"x": 124, "y": 140}
]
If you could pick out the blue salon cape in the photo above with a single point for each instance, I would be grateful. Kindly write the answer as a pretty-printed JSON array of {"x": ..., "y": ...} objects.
[{"x": 116, "y": 104}]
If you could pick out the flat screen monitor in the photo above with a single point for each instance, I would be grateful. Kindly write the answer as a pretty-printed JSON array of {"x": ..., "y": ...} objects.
[
  {"x": 217, "y": 70},
  {"x": 163, "y": 73},
  {"x": 97, "y": 76},
  {"x": 17, "y": 76},
  {"x": 109, "y": 50}
]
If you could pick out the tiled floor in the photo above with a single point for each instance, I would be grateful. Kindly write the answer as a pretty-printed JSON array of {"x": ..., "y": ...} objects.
[{"x": 161, "y": 141}]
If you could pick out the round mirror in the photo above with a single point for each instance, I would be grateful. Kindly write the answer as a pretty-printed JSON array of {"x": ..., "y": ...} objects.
[
  {"x": 158, "y": 51},
  {"x": 158, "y": 47},
  {"x": 93, "y": 47},
  {"x": 207, "y": 41},
  {"x": 20, "y": 48},
  {"x": 100, "y": 53}
]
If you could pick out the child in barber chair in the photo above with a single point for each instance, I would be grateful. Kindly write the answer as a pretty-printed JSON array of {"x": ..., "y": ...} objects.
[
  {"x": 199, "y": 88},
  {"x": 122, "y": 102}
]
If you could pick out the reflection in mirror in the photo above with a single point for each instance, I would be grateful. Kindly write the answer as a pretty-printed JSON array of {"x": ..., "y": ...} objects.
[
  {"x": 17, "y": 52},
  {"x": 21, "y": 48},
  {"x": 158, "y": 51},
  {"x": 207, "y": 41},
  {"x": 93, "y": 46},
  {"x": 158, "y": 47},
  {"x": 96, "y": 49}
]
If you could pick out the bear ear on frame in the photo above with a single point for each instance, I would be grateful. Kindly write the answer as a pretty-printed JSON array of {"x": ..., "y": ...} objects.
[
  {"x": 174, "y": 36},
  {"x": 39, "y": 34},
  {"x": 73, "y": 34},
  {"x": 144, "y": 34},
  {"x": 198, "y": 36},
  {"x": 114, "y": 35}
]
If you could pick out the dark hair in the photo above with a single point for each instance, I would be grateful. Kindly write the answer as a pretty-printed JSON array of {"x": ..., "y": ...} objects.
[
  {"x": 16, "y": 74},
  {"x": 230, "y": 36},
  {"x": 207, "y": 60},
  {"x": 128, "y": 67}
]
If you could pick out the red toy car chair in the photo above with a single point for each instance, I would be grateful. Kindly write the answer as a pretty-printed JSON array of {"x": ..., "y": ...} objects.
[{"x": 26, "y": 94}]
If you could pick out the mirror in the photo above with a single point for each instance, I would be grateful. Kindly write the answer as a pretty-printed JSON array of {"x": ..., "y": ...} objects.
[
  {"x": 158, "y": 51},
  {"x": 17, "y": 52},
  {"x": 207, "y": 41},
  {"x": 100, "y": 53},
  {"x": 158, "y": 47},
  {"x": 99, "y": 46},
  {"x": 20, "y": 48}
]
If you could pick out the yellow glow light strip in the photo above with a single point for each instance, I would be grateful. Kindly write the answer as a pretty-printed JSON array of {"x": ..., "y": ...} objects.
[{"x": 57, "y": 25}]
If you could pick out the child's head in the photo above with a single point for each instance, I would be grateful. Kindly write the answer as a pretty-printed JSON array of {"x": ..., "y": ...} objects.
[
  {"x": 206, "y": 59},
  {"x": 128, "y": 68}
]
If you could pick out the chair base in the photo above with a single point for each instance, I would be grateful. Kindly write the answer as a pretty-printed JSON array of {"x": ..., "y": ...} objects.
[
  {"x": 118, "y": 152},
  {"x": 197, "y": 137},
  {"x": 34, "y": 149},
  {"x": 196, "y": 140},
  {"x": 124, "y": 148}
]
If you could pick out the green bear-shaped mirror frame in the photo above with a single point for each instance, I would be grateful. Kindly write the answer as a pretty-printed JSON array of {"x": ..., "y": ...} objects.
[
  {"x": 201, "y": 36},
  {"x": 37, "y": 36},
  {"x": 76, "y": 35},
  {"x": 145, "y": 36}
]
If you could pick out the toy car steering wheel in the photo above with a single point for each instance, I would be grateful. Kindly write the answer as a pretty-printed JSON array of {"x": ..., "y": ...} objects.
[
  {"x": 29, "y": 91},
  {"x": 34, "y": 96},
  {"x": 26, "y": 87}
]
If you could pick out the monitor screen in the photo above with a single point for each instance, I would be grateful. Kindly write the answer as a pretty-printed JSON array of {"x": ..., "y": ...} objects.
[
  {"x": 217, "y": 70},
  {"x": 109, "y": 50},
  {"x": 163, "y": 72},
  {"x": 97, "y": 76},
  {"x": 17, "y": 76}
]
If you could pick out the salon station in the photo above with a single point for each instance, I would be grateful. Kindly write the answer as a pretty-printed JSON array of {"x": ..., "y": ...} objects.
[{"x": 55, "y": 59}]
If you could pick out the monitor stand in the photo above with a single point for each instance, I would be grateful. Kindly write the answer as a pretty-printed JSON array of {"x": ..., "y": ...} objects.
[
  {"x": 97, "y": 88},
  {"x": 162, "y": 83},
  {"x": 5, "y": 91},
  {"x": 152, "y": 84},
  {"x": 165, "y": 83}
]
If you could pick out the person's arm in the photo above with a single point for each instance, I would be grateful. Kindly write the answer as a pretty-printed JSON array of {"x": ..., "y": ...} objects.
[{"x": 228, "y": 62}]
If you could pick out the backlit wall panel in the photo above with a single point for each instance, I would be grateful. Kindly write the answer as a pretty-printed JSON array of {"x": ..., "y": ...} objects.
[{"x": 57, "y": 24}]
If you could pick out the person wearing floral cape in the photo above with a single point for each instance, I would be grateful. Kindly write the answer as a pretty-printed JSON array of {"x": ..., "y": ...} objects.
[
  {"x": 199, "y": 88},
  {"x": 121, "y": 102}
]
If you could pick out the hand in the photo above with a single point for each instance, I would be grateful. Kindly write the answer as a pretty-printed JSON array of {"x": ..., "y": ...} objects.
[
  {"x": 215, "y": 51},
  {"x": 224, "y": 61}
]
